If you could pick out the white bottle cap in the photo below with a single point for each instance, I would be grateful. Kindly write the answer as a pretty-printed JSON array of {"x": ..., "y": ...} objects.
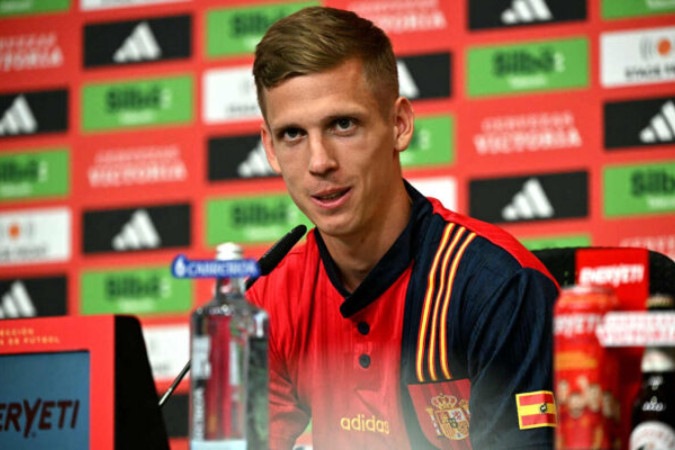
[{"x": 228, "y": 251}]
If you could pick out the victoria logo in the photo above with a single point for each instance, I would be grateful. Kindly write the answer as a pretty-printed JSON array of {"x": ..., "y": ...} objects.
[
  {"x": 33, "y": 113},
  {"x": 31, "y": 297},
  {"x": 648, "y": 122},
  {"x": 142, "y": 228},
  {"x": 530, "y": 198},
  {"x": 237, "y": 157},
  {"x": 506, "y": 13},
  {"x": 131, "y": 42}
]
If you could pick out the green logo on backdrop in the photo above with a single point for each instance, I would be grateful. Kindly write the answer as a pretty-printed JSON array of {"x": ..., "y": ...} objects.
[
  {"x": 581, "y": 240},
  {"x": 433, "y": 142},
  {"x": 252, "y": 219},
  {"x": 17, "y": 7},
  {"x": 539, "y": 66},
  {"x": 34, "y": 174},
  {"x": 616, "y": 9},
  {"x": 639, "y": 189},
  {"x": 148, "y": 290},
  {"x": 236, "y": 31},
  {"x": 138, "y": 103}
]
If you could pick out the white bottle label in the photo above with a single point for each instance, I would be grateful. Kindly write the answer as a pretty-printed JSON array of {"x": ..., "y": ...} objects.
[
  {"x": 238, "y": 444},
  {"x": 652, "y": 435},
  {"x": 200, "y": 366}
]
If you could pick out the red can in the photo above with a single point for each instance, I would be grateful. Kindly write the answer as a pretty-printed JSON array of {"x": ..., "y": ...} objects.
[{"x": 585, "y": 373}]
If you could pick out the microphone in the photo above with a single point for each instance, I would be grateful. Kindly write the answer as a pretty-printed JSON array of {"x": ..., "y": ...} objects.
[{"x": 266, "y": 263}]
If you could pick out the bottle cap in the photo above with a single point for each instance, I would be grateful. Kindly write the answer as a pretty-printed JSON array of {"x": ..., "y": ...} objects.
[{"x": 228, "y": 251}]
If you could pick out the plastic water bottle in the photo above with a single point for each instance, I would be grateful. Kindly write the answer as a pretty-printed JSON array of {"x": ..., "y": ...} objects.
[{"x": 229, "y": 367}]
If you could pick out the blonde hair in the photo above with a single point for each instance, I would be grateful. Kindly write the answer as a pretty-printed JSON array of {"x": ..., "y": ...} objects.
[{"x": 318, "y": 38}]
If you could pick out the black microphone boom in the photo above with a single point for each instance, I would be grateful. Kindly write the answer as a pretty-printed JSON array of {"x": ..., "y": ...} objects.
[{"x": 266, "y": 263}]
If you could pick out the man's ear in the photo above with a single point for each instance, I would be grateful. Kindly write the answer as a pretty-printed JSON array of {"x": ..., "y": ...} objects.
[
  {"x": 404, "y": 123},
  {"x": 268, "y": 144}
]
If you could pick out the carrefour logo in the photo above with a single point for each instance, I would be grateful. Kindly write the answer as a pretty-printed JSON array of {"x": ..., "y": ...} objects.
[
  {"x": 138, "y": 103},
  {"x": 232, "y": 31},
  {"x": 548, "y": 65},
  {"x": 639, "y": 189},
  {"x": 251, "y": 219}
]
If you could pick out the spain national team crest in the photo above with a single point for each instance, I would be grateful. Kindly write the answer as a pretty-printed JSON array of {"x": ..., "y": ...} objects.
[
  {"x": 443, "y": 412},
  {"x": 450, "y": 416}
]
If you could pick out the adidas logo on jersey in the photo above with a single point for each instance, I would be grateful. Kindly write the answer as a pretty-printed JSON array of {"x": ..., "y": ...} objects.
[
  {"x": 526, "y": 11},
  {"x": 662, "y": 126},
  {"x": 18, "y": 118},
  {"x": 138, "y": 233},
  {"x": 255, "y": 164},
  {"x": 531, "y": 202},
  {"x": 140, "y": 45},
  {"x": 16, "y": 303}
]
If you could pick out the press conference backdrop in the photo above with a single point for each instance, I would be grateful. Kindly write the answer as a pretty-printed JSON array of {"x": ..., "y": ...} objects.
[{"x": 129, "y": 134}]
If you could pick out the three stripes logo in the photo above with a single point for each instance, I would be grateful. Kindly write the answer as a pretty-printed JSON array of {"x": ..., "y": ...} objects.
[
  {"x": 237, "y": 157},
  {"x": 138, "y": 41},
  {"x": 530, "y": 198},
  {"x": 529, "y": 203},
  {"x": 33, "y": 297},
  {"x": 509, "y": 13},
  {"x": 136, "y": 234},
  {"x": 527, "y": 11},
  {"x": 18, "y": 119},
  {"x": 648, "y": 122},
  {"x": 141, "y": 45},
  {"x": 661, "y": 127},
  {"x": 16, "y": 303},
  {"x": 137, "y": 229},
  {"x": 32, "y": 113},
  {"x": 425, "y": 76}
]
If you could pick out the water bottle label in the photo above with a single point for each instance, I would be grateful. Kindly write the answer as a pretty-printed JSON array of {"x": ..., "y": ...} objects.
[
  {"x": 652, "y": 435},
  {"x": 238, "y": 444},
  {"x": 182, "y": 267},
  {"x": 200, "y": 365}
]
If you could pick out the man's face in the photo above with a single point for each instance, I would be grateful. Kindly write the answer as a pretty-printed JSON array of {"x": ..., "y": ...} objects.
[{"x": 336, "y": 149}]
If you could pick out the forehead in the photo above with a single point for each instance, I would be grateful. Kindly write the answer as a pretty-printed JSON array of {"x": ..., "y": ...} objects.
[{"x": 330, "y": 92}]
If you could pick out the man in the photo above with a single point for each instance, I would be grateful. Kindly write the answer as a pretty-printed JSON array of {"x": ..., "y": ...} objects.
[{"x": 398, "y": 324}]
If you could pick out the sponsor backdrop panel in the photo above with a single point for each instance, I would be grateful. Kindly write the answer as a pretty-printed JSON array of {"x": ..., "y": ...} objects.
[{"x": 129, "y": 134}]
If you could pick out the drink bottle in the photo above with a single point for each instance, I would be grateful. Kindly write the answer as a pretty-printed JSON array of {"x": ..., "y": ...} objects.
[
  {"x": 653, "y": 415},
  {"x": 229, "y": 367}
]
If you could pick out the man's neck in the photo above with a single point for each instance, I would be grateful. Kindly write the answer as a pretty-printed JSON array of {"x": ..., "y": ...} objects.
[{"x": 355, "y": 256}]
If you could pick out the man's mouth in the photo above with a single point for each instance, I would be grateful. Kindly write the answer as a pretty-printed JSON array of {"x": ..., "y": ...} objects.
[{"x": 329, "y": 196}]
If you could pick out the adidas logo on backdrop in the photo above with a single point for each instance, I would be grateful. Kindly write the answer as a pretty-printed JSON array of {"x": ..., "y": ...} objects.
[
  {"x": 526, "y": 11},
  {"x": 662, "y": 126},
  {"x": 138, "y": 41},
  {"x": 138, "y": 233},
  {"x": 147, "y": 227},
  {"x": 18, "y": 119},
  {"x": 16, "y": 303},
  {"x": 140, "y": 45},
  {"x": 529, "y": 203},
  {"x": 548, "y": 196},
  {"x": 33, "y": 112},
  {"x": 639, "y": 123},
  {"x": 256, "y": 164},
  {"x": 511, "y": 13}
]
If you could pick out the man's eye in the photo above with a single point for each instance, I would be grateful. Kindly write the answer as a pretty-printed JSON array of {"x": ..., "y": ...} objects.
[
  {"x": 344, "y": 123},
  {"x": 291, "y": 134}
]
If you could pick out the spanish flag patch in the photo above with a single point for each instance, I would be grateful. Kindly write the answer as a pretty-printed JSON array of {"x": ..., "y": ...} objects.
[{"x": 536, "y": 409}]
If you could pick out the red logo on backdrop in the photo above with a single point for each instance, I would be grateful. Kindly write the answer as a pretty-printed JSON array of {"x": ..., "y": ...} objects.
[{"x": 626, "y": 271}]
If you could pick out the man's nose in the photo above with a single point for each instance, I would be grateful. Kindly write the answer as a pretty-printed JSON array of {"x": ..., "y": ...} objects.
[{"x": 322, "y": 157}]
